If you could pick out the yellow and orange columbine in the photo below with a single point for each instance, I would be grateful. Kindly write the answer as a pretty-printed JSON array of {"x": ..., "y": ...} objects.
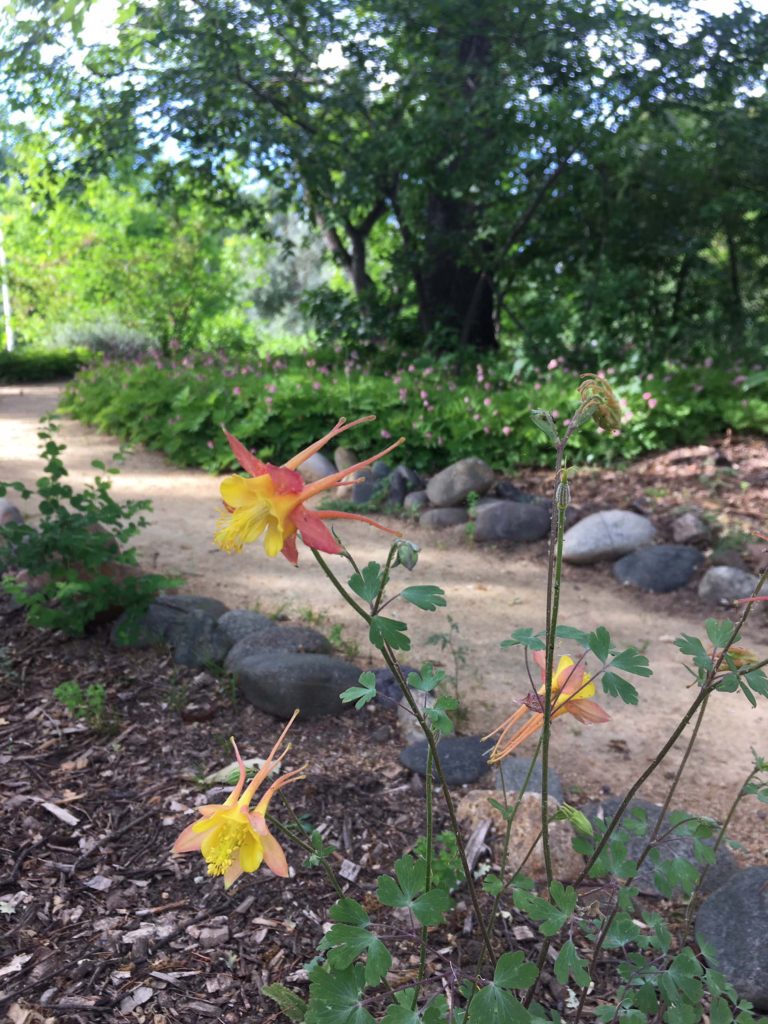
[
  {"x": 571, "y": 690},
  {"x": 272, "y": 501},
  {"x": 231, "y": 837}
]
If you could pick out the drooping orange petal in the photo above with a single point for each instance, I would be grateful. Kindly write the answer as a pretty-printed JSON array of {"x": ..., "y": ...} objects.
[
  {"x": 234, "y": 871},
  {"x": 248, "y": 461},
  {"x": 189, "y": 841},
  {"x": 314, "y": 532},
  {"x": 289, "y": 549},
  {"x": 274, "y": 857},
  {"x": 588, "y": 711}
]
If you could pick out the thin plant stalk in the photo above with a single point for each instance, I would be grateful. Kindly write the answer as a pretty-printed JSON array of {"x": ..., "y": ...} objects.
[
  {"x": 394, "y": 666},
  {"x": 427, "y": 872}
]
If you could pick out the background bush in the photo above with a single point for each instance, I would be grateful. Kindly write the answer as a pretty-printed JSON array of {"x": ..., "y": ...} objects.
[{"x": 274, "y": 404}]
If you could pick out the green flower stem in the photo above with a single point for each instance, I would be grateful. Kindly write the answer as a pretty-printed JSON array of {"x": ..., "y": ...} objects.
[
  {"x": 643, "y": 855},
  {"x": 290, "y": 834},
  {"x": 554, "y": 575},
  {"x": 394, "y": 667},
  {"x": 427, "y": 874},
  {"x": 709, "y": 684}
]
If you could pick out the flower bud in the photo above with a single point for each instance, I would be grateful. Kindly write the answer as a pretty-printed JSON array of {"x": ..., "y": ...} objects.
[{"x": 406, "y": 554}]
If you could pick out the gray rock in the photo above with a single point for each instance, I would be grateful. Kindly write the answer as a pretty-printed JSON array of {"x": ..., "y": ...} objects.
[
  {"x": 659, "y": 568},
  {"x": 271, "y": 638},
  {"x": 724, "y": 584},
  {"x": 463, "y": 758},
  {"x": 674, "y": 846},
  {"x": 607, "y": 534},
  {"x": 344, "y": 458},
  {"x": 186, "y": 623},
  {"x": 9, "y": 513},
  {"x": 690, "y": 528},
  {"x": 415, "y": 500},
  {"x": 439, "y": 518},
  {"x": 237, "y": 624},
  {"x": 511, "y": 775},
  {"x": 732, "y": 922},
  {"x": 454, "y": 483},
  {"x": 380, "y": 470},
  {"x": 511, "y": 520},
  {"x": 316, "y": 467},
  {"x": 278, "y": 683},
  {"x": 402, "y": 481},
  {"x": 506, "y": 489}
]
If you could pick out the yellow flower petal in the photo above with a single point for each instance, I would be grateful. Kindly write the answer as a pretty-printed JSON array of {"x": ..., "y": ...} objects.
[
  {"x": 237, "y": 491},
  {"x": 251, "y": 852}
]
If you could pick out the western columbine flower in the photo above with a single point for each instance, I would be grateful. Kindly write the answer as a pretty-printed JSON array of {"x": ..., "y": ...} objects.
[
  {"x": 231, "y": 837},
  {"x": 272, "y": 501},
  {"x": 571, "y": 690}
]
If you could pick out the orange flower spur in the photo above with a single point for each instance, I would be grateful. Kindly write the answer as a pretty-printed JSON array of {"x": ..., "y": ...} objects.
[
  {"x": 231, "y": 837},
  {"x": 272, "y": 501},
  {"x": 571, "y": 690}
]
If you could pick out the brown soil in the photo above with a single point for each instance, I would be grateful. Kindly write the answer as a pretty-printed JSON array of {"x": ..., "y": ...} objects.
[{"x": 130, "y": 793}]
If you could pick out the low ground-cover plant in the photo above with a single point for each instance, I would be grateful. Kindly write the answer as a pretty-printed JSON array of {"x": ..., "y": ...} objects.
[
  {"x": 35, "y": 365},
  {"x": 177, "y": 406},
  {"x": 72, "y": 567},
  {"x": 647, "y": 974},
  {"x": 89, "y": 704}
]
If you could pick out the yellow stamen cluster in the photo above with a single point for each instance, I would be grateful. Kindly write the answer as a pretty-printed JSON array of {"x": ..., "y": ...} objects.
[{"x": 220, "y": 848}]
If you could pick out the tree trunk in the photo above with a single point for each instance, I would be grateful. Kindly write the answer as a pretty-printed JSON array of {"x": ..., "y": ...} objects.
[{"x": 455, "y": 297}]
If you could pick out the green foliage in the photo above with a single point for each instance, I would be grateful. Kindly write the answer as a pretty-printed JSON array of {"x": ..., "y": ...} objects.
[
  {"x": 447, "y": 869},
  {"x": 32, "y": 365},
  {"x": 177, "y": 406},
  {"x": 362, "y": 694},
  {"x": 73, "y": 564},
  {"x": 89, "y": 704},
  {"x": 409, "y": 892},
  {"x": 494, "y": 1003}
]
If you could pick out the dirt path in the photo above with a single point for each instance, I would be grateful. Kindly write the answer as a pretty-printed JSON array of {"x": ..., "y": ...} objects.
[{"x": 490, "y": 592}]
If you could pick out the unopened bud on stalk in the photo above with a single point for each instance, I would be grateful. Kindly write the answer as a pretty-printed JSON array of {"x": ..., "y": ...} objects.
[
  {"x": 406, "y": 554},
  {"x": 599, "y": 401}
]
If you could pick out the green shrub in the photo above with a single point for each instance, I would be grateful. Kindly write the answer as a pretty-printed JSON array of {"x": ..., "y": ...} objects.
[
  {"x": 72, "y": 568},
  {"x": 178, "y": 407},
  {"x": 89, "y": 704},
  {"x": 35, "y": 365}
]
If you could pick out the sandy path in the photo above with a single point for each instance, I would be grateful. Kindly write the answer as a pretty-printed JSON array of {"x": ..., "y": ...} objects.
[{"x": 490, "y": 592}]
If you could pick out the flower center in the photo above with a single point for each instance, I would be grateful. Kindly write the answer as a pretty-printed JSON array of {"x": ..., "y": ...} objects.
[{"x": 223, "y": 845}]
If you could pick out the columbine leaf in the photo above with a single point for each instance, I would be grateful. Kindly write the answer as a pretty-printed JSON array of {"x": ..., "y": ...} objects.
[
  {"x": 617, "y": 686},
  {"x": 335, "y": 997},
  {"x": 552, "y": 919},
  {"x": 427, "y": 679},
  {"x": 362, "y": 694},
  {"x": 525, "y": 637},
  {"x": 757, "y": 681},
  {"x": 437, "y": 717},
  {"x": 367, "y": 582},
  {"x": 694, "y": 648},
  {"x": 428, "y": 598},
  {"x": 389, "y": 631},
  {"x": 599, "y": 643},
  {"x": 432, "y": 906},
  {"x": 571, "y": 633},
  {"x": 378, "y": 962},
  {"x": 346, "y": 942},
  {"x": 347, "y": 911},
  {"x": 513, "y": 972},
  {"x": 570, "y": 963},
  {"x": 492, "y": 1005},
  {"x": 632, "y": 661},
  {"x": 719, "y": 632}
]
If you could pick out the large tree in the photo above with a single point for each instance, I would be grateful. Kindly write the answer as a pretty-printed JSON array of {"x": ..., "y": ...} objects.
[{"x": 443, "y": 130}]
